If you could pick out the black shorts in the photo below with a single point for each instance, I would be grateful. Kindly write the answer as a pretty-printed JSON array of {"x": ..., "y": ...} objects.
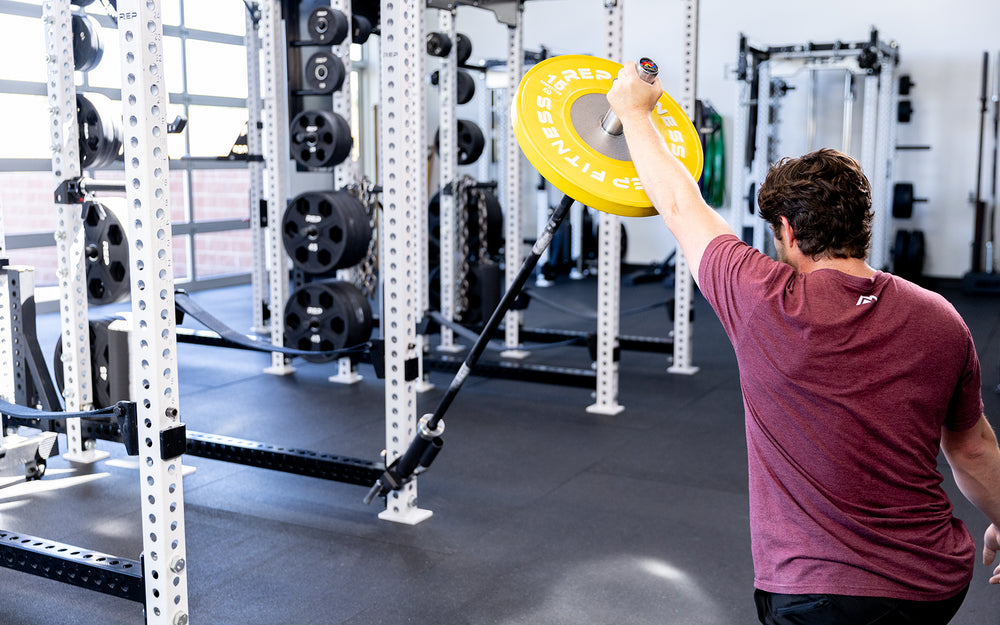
[{"x": 776, "y": 609}]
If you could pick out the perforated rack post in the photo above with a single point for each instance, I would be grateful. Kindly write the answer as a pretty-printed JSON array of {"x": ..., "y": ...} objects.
[
  {"x": 72, "y": 272},
  {"x": 345, "y": 173},
  {"x": 683, "y": 283},
  {"x": 258, "y": 218},
  {"x": 153, "y": 340},
  {"x": 276, "y": 157},
  {"x": 609, "y": 267},
  {"x": 402, "y": 105},
  {"x": 448, "y": 174},
  {"x": 512, "y": 182}
]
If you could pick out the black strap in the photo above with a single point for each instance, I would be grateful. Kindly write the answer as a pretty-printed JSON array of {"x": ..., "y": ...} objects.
[
  {"x": 184, "y": 302},
  {"x": 24, "y": 412}
]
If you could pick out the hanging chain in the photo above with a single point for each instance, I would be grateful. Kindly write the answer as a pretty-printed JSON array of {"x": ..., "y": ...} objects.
[
  {"x": 484, "y": 252},
  {"x": 365, "y": 274},
  {"x": 461, "y": 187}
]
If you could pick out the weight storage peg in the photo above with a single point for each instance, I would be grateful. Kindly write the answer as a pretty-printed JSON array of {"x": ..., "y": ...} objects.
[
  {"x": 88, "y": 50},
  {"x": 327, "y": 26},
  {"x": 323, "y": 231},
  {"x": 326, "y": 316},
  {"x": 320, "y": 138},
  {"x": 325, "y": 72},
  {"x": 469, "y": 140}
]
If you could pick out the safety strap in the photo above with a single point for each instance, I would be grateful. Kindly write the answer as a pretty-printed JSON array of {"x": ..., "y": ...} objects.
[{"x": 188, "y": 306}]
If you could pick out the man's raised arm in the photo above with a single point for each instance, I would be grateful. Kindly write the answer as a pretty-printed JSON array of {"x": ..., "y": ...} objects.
[{"x": 670, "y": 187}]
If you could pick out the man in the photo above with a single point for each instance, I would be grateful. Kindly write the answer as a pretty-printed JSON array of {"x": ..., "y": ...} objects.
[{"x": 853, "y": 380}]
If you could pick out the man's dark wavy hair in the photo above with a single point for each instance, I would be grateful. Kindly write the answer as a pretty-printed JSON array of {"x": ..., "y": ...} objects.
[{"x": 827, "y": 200}]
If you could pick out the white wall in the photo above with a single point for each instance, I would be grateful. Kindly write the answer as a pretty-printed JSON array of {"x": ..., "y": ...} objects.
[{"x": 941, "y": 47}]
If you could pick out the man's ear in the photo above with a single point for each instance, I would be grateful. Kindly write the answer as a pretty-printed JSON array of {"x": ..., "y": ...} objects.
[{"x": 787, "y": 234}]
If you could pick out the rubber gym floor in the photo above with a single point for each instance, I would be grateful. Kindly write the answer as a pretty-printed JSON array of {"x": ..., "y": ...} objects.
[{"x": 543, "y": 513}]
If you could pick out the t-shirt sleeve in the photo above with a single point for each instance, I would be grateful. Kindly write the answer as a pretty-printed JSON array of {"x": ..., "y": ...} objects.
[
  {"x": 967, "y": 403},
  {"x": 735, "y": 278}
]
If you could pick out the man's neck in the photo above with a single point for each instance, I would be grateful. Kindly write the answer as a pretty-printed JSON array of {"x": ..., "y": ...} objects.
[{"x": 851, "y": 266}]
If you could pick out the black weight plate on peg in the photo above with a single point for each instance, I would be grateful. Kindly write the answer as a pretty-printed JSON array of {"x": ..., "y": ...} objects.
[
  {"x": 320, "y": 138},
  {"x": 470, "y": 141},
  {"x": 464, "y": 48},
  {"x": 358, "y": 227},
  {"x": 99, "y": 129},
  {"x": 105, "y": 248},
  {"x": 360, "y": 314},
  {"x": 465, "y": 87},
  {"x": 361, "y": 29},
  {"x": 902, "y": 200},
  {"x": 325, "y": 230},
  {"x": 915, "y": 255},
  {"x": 100, "y": 362},
  {"x": 900, "y": 258},
  {"x": 325, "y": 72},
  {"x": 438, "y": 44},
  {"x": 323, "y": 316},
  {"x": 87, "y": 46},
  {"x": 327, "y": 26}
]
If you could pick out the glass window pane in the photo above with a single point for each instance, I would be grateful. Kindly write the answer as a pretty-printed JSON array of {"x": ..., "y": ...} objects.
[
  {"x": 23, "y": 39},
  {"x": 216, "y": 69},
  {"x": 221, "y": 194},
  {"x": 214, "y": 129},
  {"x": 43, "y": 259},
  {"x": 219, "y": 17},
  {"x": 176, "y": 197},
  {"x": 171, "y": 12},
  {"x": 29, "y": 136},
  {"x": 223, "y": 253},
  {"x": 182, "y": 272},
  {"x": 173, "y": 69},
  {"x": 27, "y": 203}
]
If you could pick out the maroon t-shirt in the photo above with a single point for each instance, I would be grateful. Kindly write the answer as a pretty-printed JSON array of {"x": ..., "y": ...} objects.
[{"x": 847, "y": 383}]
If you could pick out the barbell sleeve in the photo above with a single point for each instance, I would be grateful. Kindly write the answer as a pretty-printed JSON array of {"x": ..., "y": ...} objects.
[{"x": 647, "y": 71}]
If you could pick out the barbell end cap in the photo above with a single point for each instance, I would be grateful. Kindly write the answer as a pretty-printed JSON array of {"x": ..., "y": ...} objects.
[
  {"x": 648, "y": 69},
  {"x": 374, "y": 492}
]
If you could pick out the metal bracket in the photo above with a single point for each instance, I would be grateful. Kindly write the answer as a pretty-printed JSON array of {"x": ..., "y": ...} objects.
[
  {"x": 173, "y": 442},
  {"x": 505, "y": 10}
]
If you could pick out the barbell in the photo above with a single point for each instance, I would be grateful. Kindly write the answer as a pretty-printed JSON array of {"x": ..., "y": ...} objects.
[{"x": 564, "y": 125}]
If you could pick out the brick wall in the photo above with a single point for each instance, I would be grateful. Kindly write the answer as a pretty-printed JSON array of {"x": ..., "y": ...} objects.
[{"x": 27, "y": 206}]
